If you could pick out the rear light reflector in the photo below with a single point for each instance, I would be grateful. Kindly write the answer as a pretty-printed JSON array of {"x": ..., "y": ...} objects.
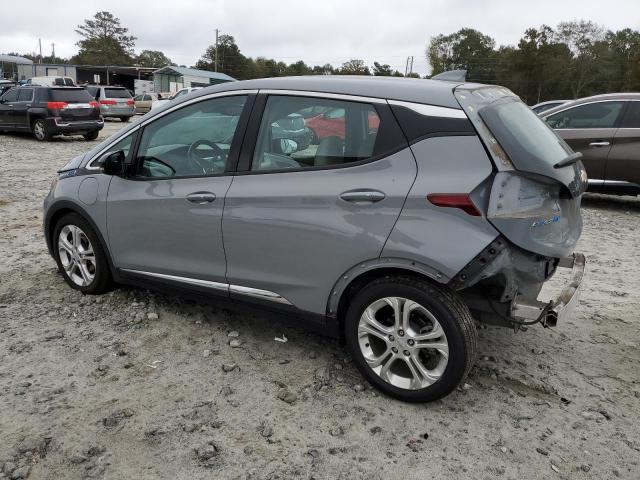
[
  {"x": 56, "y": 105},
  {"x": 130, "y": 102},
  {"x": 107, "y": 102},
  {"x": 455, "y": 200},
  {"x": 94, "y": 104}
]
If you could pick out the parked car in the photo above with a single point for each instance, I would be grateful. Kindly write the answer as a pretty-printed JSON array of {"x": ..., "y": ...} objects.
[
  {"x": 115, "y": 102},
  {"x": 332, "y": 123},
  {"x": 142, "y": 103},
  {"x": 544, "y": 106},
  {"x": 50, "y": 111},
  {"x": 51, "y": 81},
  {"x": 456, "y": 208},
  {"x": 606, "y": 130},
  {"x": 180, "y": 93}
]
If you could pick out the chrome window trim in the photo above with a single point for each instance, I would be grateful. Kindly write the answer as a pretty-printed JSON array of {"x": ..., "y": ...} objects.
[
  {"x": 332, "y": 96},
  {"x": 544, "y": 117},
  {"x": 143, "y": 123},
  {"x": 251, "y": 292},
  {"x": 430, "y": 110}
]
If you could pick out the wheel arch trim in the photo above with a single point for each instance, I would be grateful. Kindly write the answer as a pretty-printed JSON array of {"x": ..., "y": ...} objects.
[
  {"x": 60, "y": 208},
  {"x": 371, "y": 266}
]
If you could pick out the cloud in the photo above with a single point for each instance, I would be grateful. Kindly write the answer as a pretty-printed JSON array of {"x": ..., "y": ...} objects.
[{"x": 319, "y": 32}]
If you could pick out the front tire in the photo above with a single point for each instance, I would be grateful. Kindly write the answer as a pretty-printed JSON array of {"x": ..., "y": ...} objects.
[
  {"x": 91, "y": 135},
  {"x": 414, "y": 340},
  {"x": 80, "y": 256},
  {"x": 40, "y": 130}
]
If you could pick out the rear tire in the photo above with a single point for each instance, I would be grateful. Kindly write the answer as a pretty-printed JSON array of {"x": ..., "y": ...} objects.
[
  {"x": 414, "y": 340},
  {"x": 91, "y": 135},
  {"x": 80, "y": 256},
  {"x": 124, "y": 119},
  {"x": 40, "y": 130}
]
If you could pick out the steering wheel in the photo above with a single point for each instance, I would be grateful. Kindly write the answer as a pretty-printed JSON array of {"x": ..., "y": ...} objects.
[{"x": 206, "y": 164}]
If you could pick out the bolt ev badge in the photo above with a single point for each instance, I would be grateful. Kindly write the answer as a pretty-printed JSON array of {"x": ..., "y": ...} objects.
[{"x": 546, "y": 221}]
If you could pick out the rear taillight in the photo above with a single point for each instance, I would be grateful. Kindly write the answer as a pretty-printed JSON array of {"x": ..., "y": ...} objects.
[
  {"x": 56, "y": 105},
  {"x": 94, "y": 104},
  {"x": 454, "y": 200},
  {"x": 130, "y": 102},
  {"x": 107, "y": 102}
]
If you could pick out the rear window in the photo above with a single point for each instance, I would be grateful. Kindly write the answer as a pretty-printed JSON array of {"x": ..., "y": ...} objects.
[
  {"x": 116, "y": 93},
  {"x": 522, "y": 133},
  {"x": 70, "y": 95}
]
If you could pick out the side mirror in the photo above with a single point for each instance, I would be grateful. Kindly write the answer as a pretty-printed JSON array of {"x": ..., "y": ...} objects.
[
  {"x": 113, "y": 163},
  {"x": 288, "y": 146}
]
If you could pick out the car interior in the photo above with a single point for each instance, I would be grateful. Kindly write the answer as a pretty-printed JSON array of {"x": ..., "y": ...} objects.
[
  {"x": 274, "y": 152},
  {"x": 194, "y": 140}
]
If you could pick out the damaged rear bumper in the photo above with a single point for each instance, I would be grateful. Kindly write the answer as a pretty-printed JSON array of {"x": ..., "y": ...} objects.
[{"x": 560, "y": 308}]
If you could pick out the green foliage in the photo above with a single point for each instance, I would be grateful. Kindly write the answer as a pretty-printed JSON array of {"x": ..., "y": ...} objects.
[
  {"x": 576, "y": 59},
  {"x": 353, "y": 67},
  {"x": 105, "y": 42},
  {"x": 152, "y": 58}
]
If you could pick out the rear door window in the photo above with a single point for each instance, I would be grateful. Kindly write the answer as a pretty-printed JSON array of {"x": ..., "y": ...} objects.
[
  {"x": 116, "y": 93},
  {"x": 591, "y": 115},
  {"x": 340, "y": 133},
  {"x": 70, "y": 95},
  {"x": 632, "y": 116},
  {"x": 25, "y": 95}
]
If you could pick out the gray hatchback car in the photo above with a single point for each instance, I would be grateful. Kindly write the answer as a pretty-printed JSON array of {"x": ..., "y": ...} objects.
[{"x": 430, "y": 207}]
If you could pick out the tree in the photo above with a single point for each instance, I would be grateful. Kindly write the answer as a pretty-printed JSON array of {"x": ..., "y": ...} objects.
[
  {"x": 105, "y": 42},
  {"x": 230, "y": 60},
  {"x": 585, "y": 42},
  {"x": 466, "y": 49},
  {"x": 354, "y": 67},
  {"x": 381, "y": 70},
  {"x": 153, "y": 58}
]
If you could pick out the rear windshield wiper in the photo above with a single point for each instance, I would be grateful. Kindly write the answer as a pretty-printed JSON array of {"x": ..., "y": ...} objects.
[{"x": 570, "y": 160}]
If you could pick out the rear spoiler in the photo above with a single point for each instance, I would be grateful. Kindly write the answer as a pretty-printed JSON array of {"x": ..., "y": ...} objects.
[{"x": 451, "y": 76}]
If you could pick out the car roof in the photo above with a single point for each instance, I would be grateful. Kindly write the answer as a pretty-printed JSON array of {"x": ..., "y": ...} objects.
[
  {"x": 432, "y": 92},
  {"x": 594, "y": 98}
]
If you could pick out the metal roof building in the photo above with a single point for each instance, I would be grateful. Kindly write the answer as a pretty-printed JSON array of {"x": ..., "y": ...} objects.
[
  {"x": 9, "y": 65},
  {"x": 172, "y": 78}
]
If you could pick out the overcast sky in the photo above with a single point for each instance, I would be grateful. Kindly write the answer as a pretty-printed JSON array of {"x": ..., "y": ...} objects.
[{"x": 318, "y": 31}]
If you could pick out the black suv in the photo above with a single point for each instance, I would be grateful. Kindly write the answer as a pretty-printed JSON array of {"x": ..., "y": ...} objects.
[{"x": 49, "y": 111}]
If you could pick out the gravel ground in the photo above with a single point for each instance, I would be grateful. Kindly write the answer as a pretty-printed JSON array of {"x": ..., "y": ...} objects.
[{"x": 135, "y": 384}]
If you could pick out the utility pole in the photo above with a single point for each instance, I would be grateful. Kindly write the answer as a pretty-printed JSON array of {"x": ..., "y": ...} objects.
[
  {"x": 40, "y": 48},
  {"x": 53, "y": 52},
  {"x": 411, "y": 68},
  {"x": 406, "y": 67},
  {"x": 216, "y": 60}
]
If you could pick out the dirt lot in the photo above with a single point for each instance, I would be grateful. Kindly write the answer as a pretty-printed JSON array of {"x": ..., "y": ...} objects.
[{"x": 136, "y": 384}]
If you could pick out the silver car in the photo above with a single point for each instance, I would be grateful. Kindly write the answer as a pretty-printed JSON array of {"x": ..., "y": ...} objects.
[
  {"x": 115, "y": 102},
  {"x": 429, "y": 207}
]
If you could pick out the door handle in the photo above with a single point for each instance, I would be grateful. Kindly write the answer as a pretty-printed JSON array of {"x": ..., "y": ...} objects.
[
  {"x": 599, "y": 144},
  {"x": 362, "y": 196},
  {"x": 201, "y": 197}
]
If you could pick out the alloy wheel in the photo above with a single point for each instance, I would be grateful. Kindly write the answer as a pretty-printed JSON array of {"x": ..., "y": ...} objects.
[
  {"x": 76, "y": 255},
  {"x": 403, "y": 343},
  {"x": 38, "y": 130}
]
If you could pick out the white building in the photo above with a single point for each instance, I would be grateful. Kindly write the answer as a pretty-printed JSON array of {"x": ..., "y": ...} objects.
[{"x": 171, "y": 79}]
